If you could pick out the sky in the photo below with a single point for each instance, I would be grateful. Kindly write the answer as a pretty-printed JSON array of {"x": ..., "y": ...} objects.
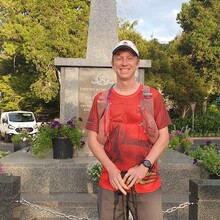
[{"x": 156, "y": 18}]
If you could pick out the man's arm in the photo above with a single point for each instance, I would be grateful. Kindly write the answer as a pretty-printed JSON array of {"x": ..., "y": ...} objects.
[
  {"x": 135, "y": 174},
  {"x": 159, "y": 146}
]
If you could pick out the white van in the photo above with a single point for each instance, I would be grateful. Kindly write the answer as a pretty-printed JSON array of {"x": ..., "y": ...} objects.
[{"x": 14, "y": 122}]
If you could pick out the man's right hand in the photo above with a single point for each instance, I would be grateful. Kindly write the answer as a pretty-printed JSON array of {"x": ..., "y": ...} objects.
[{"x": 117, "y": 181}]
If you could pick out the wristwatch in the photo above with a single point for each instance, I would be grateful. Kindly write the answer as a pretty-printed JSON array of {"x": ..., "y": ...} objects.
[{"x": 147, "y": 164}]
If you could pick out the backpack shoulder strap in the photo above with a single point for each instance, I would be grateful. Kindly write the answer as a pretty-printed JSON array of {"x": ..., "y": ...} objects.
[
  {"x": 148, "y": 103},
  {"x": 149, "y": 123},
  {"x": 103, "y": 101},
  {"x": 146, "y": 92}
]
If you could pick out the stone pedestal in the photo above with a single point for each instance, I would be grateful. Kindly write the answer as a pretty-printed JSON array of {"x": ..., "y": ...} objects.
[
  {"x": 205, "y": 193},
  {"x": 9, "y": 193},
  {"x": 63, "y": 186}
]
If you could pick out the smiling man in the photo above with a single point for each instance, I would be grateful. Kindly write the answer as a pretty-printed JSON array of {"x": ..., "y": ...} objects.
[{"x": 128, "y": 140}]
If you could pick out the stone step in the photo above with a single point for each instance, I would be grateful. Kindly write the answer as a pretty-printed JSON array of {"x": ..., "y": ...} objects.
[
  {"x": 62, "y": 185},
  {"x": 48, "y": 175},
  {"x": 175, "y": 170},
  {"x": 62, "y": 176}
]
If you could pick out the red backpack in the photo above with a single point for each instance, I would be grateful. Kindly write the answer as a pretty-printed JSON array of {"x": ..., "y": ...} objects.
[{"x": 147, "y": 109}]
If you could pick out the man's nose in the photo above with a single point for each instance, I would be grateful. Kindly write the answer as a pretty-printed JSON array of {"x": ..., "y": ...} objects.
[{"x": 124, "y": 61}]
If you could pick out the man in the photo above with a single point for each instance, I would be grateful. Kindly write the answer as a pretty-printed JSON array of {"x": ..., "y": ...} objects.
[{"x": 120, "y": 141}]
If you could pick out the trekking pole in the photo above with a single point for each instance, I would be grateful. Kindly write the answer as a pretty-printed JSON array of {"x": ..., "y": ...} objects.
[
  {"x": 125, "y": 201},
  {"x": 134, "y": 201}
]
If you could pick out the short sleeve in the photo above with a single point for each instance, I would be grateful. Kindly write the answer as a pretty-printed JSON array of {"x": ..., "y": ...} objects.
[{"x": 161, "y": 114}]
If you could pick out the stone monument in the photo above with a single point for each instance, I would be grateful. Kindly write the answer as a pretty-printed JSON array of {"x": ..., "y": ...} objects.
[
  {"x": 62, "y": 185},
  {"x": 81, "y": 79}
]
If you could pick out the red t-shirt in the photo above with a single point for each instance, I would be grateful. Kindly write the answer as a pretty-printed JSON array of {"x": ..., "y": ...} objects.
[{"x": 127, "y": 144}]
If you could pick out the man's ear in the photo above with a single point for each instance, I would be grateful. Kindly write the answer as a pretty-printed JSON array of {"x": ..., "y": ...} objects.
[
  {"x": 138, "y": 63},
  {"x": 112, "y": 62}
]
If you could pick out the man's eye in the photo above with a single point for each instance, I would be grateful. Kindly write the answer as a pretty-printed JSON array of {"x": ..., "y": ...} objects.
[
  {"x": 130, "y": 58},
  {"x": 119, "y": 58}
]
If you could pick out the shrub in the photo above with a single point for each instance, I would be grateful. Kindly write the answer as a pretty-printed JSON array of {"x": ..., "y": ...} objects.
[
  {"x": 180, "y": 137},
  {"x": 208, "y": 156},
  {"x": 94, "y": 171},
  {"x": 42, "y": 143}
]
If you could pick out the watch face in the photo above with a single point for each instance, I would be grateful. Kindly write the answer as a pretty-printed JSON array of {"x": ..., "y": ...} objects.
[{"x": 147, "y": 163}]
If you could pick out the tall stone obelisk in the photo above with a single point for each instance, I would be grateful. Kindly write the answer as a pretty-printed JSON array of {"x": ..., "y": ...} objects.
[{"x": 103, "y": 30}]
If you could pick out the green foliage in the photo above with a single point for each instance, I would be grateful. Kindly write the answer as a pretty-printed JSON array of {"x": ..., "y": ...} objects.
[
  {"x": 180, "y": 137},
  {"x": 71, "y": 130},
  {"x": 201, "y": 39},
  {"x": 127, "y": 31},
  {"x": 3, "y": 154},
  {"x": 11, "y": 99},
  {"x": 175, "y": 77},
  {"x": 94, "y": 171},
  {"x": 42, "y": 143},
  {"x": 205, "y": 124},
  {"x": 208, "y": 157},
  {"x": 183, "y": 86},
  {"x": 24, "y": 136},
  {"x": 33, "y": 33}
]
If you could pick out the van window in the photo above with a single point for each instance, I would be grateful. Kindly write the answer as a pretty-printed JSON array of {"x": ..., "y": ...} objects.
[{"x": 21, "y": 117}]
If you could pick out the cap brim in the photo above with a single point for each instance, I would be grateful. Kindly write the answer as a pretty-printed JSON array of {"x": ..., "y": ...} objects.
[{"x": 124, "y": 47}]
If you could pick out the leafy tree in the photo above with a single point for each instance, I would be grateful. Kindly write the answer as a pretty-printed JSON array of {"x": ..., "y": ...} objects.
[
  {"x": 201, "y": 39},
  {"x": 126, "y": 31},
  {"x": 33, "y": 33},
  {"x": 174, "y": 76},
  {"x": 183, "y": 85}
]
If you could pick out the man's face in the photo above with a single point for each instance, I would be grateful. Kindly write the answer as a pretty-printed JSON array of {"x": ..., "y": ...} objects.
[{"x": 125, "y": 63}]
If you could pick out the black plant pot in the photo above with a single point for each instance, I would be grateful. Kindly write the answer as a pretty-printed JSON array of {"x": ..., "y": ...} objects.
[
  {"x": 62, "y": 148},
  {"x": 20, "y": 145},
  {"x": 180, "y": 149}
]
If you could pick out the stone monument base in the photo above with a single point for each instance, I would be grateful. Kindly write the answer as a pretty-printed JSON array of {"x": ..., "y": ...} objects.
[{"x": 62, "y": 185}]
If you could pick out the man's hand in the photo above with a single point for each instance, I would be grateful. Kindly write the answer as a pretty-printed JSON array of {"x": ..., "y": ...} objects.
[
  {"x": 134, "y": 175},
  {"x": 116, "y": 180}
]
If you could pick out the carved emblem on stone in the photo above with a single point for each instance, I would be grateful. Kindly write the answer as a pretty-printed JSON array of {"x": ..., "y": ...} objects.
[{"x": 102, "y": 80}]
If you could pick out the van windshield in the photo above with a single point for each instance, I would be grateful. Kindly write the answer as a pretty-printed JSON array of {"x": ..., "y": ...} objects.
[{"x": 21, "y": 117}]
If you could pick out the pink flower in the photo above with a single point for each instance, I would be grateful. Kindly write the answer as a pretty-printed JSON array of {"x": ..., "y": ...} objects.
[
  {"x": 1, "y": 169},
  {"x": 179, "y": 132},
  {"x": 171, "y": 136},
  {"x": 188, "y": 139}
]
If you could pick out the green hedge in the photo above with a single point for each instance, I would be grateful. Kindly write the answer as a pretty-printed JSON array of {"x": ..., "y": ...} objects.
[{"x": 205, "y": 125}]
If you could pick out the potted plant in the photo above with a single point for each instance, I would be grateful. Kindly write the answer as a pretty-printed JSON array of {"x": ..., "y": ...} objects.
[
  {"x": 21, "y": 140},
  {"x": 63, "y": 138},
  {"x": 93, "y": 172},
  {"x": 207, "y": 156},
  {"x": 180, "y": 140}
]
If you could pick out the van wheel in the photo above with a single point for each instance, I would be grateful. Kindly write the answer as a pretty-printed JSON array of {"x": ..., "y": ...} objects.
[{"x": 7, "y": 138}]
